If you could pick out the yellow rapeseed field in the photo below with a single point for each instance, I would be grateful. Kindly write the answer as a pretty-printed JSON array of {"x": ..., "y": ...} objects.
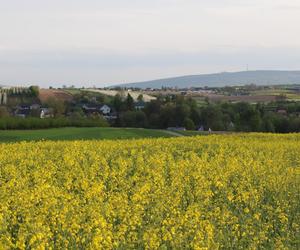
[{"x": 210, "y": 192}]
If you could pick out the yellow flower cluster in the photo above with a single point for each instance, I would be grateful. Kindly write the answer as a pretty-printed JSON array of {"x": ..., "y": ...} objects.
[{"x": 210, "y": 192}]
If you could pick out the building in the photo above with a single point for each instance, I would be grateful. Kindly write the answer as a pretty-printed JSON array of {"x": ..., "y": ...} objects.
[
  {"x": 91, "y": 109},
  {"x": 201, "y": 128},
  {"x": 96, "y": 109},
  {"x": 34, "y": 110},
  {"x": 105, "y": 109},
  {"x": 22, "y": 111},
  {"x": 46, "y": 113},
  {"x": 139, "y": 105}
]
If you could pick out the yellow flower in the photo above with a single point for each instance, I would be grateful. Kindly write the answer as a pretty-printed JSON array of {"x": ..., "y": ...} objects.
[{"x": 213, "y": 192}]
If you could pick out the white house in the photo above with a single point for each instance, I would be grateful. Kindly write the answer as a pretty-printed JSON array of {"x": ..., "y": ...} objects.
[
  {"x": 105, "y": 109},
  {"x": 45, "y": 113}
]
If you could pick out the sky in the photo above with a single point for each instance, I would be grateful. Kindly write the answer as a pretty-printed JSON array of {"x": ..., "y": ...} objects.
[{"x": 99, "y": 43}]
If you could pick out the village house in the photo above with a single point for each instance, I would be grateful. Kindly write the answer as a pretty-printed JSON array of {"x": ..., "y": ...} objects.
[
  {"x": 96, "y": 109},
  {"x": 46, "y": 113},
  {"x": 139, "y": 105},
  {"x": 105, "y": 109},
  {"x": 33, "y": 110},
  {"x": 201, "y": 128},
  {"x": 22, "y": 111}
]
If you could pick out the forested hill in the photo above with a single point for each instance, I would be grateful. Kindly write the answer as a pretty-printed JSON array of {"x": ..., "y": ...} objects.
[{"x": 261, "y": 77}]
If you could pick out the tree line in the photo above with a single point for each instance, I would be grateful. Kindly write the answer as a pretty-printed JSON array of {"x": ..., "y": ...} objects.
[{"x": 178, "y": 111}]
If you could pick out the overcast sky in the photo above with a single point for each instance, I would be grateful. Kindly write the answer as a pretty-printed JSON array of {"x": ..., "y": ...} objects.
[{"x": 97, "y": 42}]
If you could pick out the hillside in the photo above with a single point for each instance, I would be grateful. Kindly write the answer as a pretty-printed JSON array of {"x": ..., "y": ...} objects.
[
  {"x": 62, "y": 95},
  {"x": 134, "y": 94},
  {"x": 261, "y": 77}
]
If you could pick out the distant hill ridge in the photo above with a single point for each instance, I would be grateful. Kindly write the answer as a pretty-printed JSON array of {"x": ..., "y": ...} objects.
[{"x": 259, "y": 77}]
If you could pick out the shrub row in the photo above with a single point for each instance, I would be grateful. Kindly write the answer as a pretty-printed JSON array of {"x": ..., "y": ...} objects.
[{"x": 36, "y": 123}]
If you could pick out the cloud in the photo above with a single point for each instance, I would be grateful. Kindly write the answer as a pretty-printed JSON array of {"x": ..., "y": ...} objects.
[{"x": 156, "y": 37}]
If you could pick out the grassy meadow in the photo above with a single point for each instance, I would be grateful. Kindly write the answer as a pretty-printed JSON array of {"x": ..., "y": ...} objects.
[{"x": 79, "y": 134}]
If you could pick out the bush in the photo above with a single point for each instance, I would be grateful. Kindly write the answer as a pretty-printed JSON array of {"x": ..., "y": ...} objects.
[
  {"x": 189, "y": 124},
  {"x": 36, "y": 123},
  {"x": 34, "y": 90},
  {"x": 136, "y": 119}
]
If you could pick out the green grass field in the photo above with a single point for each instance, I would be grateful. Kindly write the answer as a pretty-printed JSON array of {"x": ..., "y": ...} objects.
[{"x": 80, "y": 134}]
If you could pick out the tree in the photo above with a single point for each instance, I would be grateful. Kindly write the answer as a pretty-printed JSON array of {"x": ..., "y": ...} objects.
[
  {"x": 140, "y": 98},
  {"x": 268, "y": 126},
  {"x": 182, "y": 112},
  {"x": 77, "y": 113},
  {"x": 34, "y": 91},
  {"x": 129, "y": 102},
  {"x": 189, "y": 124},
  {"x": 255, "y": 122},
  {"x": 154, "y": 121},
  {"x": 245, "y": 116},
  {"x": 4, "y": 98},
  {"x": 117, "y": 102},
  {"x": 167, "y": 116},
  {"x": 153, "y": 107},
  {"x": 135, "y": 119},
  {"x": 140, "y": 119},
  {"x": 212, "y": 117},
  {"x": 195, "y": 115},
  {"x": 58, "y": 106}
]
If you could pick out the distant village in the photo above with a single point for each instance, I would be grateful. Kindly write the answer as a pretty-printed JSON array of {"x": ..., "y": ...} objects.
[
  {"x": 31, "y": 102},
  {"x": 237, "y": 108}
]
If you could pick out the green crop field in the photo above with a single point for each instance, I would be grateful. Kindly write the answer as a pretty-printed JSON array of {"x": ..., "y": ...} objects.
[
  {"x": 79, "y": 134},
  {"x": 290, "y": 94}
]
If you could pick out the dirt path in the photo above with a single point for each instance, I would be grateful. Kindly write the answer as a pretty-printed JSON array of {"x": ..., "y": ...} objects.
[{"x": 173, "y": 133}]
